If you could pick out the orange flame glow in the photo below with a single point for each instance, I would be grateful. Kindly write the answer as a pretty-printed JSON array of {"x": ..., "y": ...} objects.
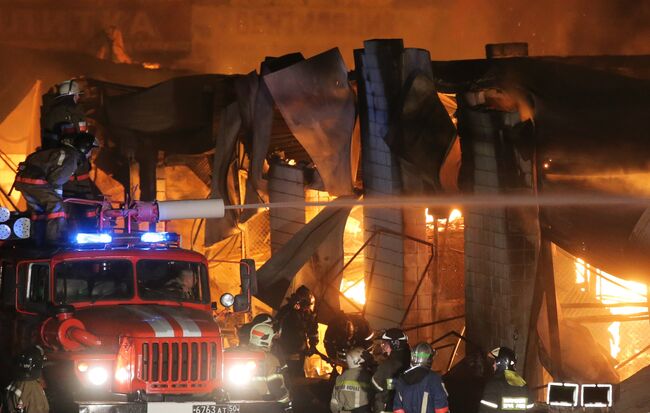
[
  {"x": 612, "y": 290},
  {"x": 354, "y": 290}
]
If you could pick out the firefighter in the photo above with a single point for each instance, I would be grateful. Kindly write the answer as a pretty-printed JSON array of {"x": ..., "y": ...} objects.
[
  {"x": 506, "y": 391},
  {"x": 63, "y": 116},
  {"x": 352, "y": 389},
  {"x": 339, "y": 336},
  {"x": 41, "y": 176},
  {"x": 183, "y": 285},
  {"x": 243, "y": 334},
  {"x": 266, "y": 381},
  {"x": 80, "y": 186},
  {"x": 419, "y": 389},
  {"x": 394, "y": 344},
  {"x": 25, "y": 394},
  {"x": 297, "y": 321}
]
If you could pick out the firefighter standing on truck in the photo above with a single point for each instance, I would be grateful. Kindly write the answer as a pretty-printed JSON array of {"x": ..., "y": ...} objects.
[
  {"x": 419, "y": 389},
  {"x": 352, "y": 392},
  {"x": 506, "y": 391},
  {"x": 297, "y": 321},
  {"x": 41, "y": 176},
  {"x": 394, "y": 343},
  {"x": 25, "y": 393},
  {"x": 63, "y": 116}
]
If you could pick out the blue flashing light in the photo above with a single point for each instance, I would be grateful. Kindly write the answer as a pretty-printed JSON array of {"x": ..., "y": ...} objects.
[
  {"x": 83, "y": 238},
  {"x": 155, "y": 237}
]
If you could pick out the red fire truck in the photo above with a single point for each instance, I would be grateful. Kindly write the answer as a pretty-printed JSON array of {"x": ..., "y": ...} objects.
[{"x": 126, "y": 317}]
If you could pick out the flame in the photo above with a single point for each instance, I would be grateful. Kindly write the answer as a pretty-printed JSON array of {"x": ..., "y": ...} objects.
[
  {"x": 151, "y": 65},
  {"x": 454, "y": 216},
  {"x": 428, "y": 217},
  {"x": 612, "y": 290},
  {"x": 355, "y": 290}
]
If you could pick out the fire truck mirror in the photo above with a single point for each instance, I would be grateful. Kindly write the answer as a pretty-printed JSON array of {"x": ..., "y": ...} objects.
[
  {"x": 242, "y": 303},
  {"x": 248, "y": 276}
]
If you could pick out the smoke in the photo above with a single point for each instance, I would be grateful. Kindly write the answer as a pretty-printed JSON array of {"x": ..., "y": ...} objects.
[{"x": 236, "y": 36}]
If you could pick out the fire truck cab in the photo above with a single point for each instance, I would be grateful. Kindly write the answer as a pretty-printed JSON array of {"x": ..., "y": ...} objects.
[{"x": 127, "y": 323}]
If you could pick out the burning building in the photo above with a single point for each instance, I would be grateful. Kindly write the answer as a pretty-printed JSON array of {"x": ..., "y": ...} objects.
[{"x": 566, "y": 286}]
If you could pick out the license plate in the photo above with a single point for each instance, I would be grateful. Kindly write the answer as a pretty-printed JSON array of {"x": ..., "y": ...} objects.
[{"x": 215, "y": 408}]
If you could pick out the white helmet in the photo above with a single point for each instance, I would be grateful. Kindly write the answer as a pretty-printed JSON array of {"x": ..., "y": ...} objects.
[
  {"x": 69, "y": 88},
  {"x": 354, "y": 357},
  {"x": 262, "y": 335}
]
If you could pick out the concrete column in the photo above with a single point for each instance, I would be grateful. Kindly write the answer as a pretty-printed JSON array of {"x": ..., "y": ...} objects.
[
  {"x": 379, "y": 80},
  {"x": 500, "y": 243},
  {"x": 286, "y": 184}
]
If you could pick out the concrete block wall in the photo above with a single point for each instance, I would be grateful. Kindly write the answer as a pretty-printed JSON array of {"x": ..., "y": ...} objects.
[
  {"x": 286, "y": 184},
  {"x": 416, "y": 256},
  {"x": 384, "y": 258},
  {"x": 383, "y": 66},
  {"x": 500, "y": 243}
]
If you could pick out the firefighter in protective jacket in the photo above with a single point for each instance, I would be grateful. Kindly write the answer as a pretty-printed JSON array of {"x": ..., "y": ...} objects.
[
  {"x": 63, "y": 116},
  {"x": 297, "y": 321},
  {"x": 352, "y": 392},
  {"x": 506, "y": 391},
  {"x": 41, "y": 177},
  {"x": 419, "y": 389},
  {"x": 25, "y": 393},
  {"x": 266, "y": 381},
  {"x": 394, "y": 343}
]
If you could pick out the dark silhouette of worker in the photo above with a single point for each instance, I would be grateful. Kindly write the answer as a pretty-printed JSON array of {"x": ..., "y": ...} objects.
[
  {"x": 297, "y": 321},
  {"x": 394, "y": 343},
  {"x": 25, "y": 393},
  {"x": 63, "y": 115},
  {"x": 40, "y": 179},
  {"x": 506, "y": 391}
]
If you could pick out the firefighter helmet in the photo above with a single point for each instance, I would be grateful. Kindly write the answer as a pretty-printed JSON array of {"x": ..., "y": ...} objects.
[
  {"x": 69, "y": 88},
  {"x": 264, "y": 318},
  {"x": 262, "y": 335},
  {"x": 85, "y": 142},
  {"x": 354, "y": 358},
  {"x": 30, "y": 363},
  {"x": 504, "y": 358},
  {"x": 422, "y": 355},
  {"x": 396, "y": 339},
  {"x": 304, "y": 298}
]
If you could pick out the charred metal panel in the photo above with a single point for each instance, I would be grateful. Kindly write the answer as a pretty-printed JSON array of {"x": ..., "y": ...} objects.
[{"x": 317, "y": 103}]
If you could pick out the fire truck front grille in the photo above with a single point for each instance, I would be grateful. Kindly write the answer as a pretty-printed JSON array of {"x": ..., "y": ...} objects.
[{"x": 173, "y": 365}]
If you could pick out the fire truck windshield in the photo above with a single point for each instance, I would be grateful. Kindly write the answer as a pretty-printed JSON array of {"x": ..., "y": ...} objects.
[
  {"x": 172, "y": 280},
  {"x": 93, "y": 280}
]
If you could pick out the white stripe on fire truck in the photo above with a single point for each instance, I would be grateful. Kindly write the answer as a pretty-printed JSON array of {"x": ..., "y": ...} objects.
[
  {"x": 190, "y": 328},
  {"x": 161, "y": 327}
]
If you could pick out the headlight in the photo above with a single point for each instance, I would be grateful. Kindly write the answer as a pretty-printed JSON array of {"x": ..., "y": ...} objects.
[
  {"x": 123, "y": 374},
  {"x": 227, "y": 300},
  {"x": 97, "y": 375},
  {"x": 240, "y": 374},
  {"x": 82, "y": 367}
]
